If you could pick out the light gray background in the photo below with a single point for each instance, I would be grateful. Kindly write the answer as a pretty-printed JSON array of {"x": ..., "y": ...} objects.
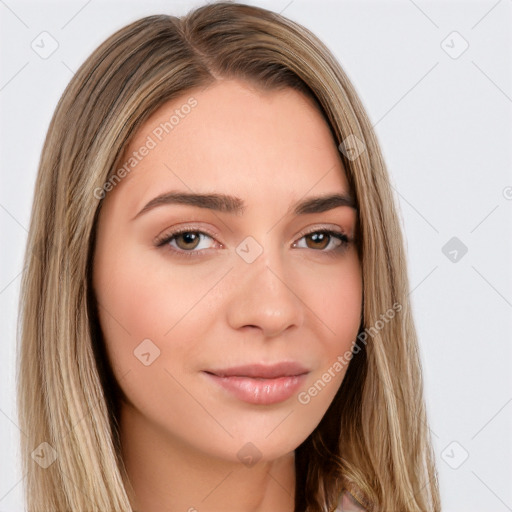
[{"x": 444, "y": 124}]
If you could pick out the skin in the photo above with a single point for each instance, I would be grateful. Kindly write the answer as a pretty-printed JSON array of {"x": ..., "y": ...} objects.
[{"x": 180, "y": 432}]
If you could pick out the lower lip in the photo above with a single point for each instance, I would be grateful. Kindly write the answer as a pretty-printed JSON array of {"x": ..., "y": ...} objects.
[{"x": 260, "y": 391}]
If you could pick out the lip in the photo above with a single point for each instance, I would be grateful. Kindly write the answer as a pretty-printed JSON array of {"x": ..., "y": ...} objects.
[
  {"x": 260, "y": 384},
  {"x": 262, "y": 371}
]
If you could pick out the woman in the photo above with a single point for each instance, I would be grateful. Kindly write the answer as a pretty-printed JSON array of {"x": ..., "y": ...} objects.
[{"x": 214, "y": 314}]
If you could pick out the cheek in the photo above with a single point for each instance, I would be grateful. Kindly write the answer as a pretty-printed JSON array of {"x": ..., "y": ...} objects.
[
  {"x": 146, "y": 296},
  {"x": 139, "y": 300},
  {"x": 151, "y": 317},
  {"x": 336, "y": 301},
  {"x": 152, "y": 311},
  {"x": 335, "y": 296}
]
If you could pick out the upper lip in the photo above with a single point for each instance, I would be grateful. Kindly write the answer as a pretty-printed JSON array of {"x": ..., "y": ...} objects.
[{"x": 284, "y": 369}]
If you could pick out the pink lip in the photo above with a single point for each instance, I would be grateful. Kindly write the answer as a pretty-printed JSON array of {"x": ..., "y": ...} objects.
[
  {"x": 261, "y": 384},
  {"x": 285, "y": 369}
]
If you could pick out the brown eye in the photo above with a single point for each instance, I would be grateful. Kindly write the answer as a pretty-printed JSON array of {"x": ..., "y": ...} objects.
[
  {"x": 318, "y": 240},
  {"x": 187, "y": 240},
  {"x": 321, "y": 240}
]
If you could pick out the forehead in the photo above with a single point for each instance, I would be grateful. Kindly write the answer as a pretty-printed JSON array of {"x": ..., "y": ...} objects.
[{"x": 232, "y": 137}]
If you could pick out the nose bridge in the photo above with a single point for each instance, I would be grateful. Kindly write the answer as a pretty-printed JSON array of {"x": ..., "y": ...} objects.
[{"x": 263, "y": 296}]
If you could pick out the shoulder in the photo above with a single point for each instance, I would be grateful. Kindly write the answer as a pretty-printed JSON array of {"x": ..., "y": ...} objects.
[{"x": 348, "y": 503}]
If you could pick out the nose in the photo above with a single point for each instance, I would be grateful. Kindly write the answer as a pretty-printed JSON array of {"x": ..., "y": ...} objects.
[{"x": 264, "y": 298}]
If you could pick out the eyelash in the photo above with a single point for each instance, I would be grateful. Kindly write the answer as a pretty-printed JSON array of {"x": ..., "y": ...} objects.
[{"x": 164, "y": 240}]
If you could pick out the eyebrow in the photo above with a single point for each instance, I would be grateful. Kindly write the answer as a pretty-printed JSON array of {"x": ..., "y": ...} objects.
[{"x": 235, "y": 205}]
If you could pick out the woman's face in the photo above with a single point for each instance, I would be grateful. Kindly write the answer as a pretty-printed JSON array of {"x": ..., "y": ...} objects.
[{"x": 258, "y": 284}]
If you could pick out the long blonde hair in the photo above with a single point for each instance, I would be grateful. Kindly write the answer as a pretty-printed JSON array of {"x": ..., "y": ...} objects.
[{"x": 374, "y": 439}]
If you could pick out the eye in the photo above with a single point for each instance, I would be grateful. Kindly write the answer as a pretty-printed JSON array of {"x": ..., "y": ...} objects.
[
  {"x": 325, "y": 240},
  {"x": 184, "y": 242}
]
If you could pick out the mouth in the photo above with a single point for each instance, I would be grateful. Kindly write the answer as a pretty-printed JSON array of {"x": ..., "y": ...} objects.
[
  {"x": 261, "y": 371},
  {"x": 260, "y": 384}
]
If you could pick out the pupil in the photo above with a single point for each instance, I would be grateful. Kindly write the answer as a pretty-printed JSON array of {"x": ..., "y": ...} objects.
[
  {"x": 189, "y": 238},
  {"x": 318, "y": 238}
]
